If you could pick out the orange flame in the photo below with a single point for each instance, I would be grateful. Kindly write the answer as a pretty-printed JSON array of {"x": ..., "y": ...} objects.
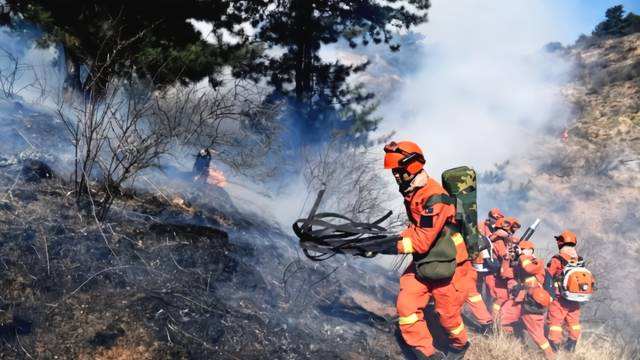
[{"x": 216, "y": 177}]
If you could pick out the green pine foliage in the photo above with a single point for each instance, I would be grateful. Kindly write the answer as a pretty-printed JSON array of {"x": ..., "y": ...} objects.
[
  {"x": 126, "y": 38},
  {"x": 317, "y": 90},
  {"x": 156, "y": 42},
  {"x": 616, "y": 23}
]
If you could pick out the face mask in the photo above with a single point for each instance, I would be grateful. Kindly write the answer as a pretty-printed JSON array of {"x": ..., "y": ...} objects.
[{"x": 402, "y": 180}]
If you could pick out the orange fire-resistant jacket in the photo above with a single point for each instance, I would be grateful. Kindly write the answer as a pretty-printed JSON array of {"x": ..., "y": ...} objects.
[{"x": 426, "y": 222}]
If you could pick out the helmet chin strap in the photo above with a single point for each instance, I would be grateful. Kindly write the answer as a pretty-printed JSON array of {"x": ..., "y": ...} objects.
[{"x": 405, "y": 186}]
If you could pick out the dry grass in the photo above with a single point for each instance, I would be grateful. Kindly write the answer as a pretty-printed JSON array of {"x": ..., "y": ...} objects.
[{"x": 506, "y": 347}]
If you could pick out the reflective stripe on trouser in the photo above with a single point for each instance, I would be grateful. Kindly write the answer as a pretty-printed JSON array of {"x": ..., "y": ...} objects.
[
  {"x": 498, "y": 290},
  {"x": 563, "y": 312},
  {"x": 510, "y": 314},
  {"x": 414, "y": 295},
  {"x": 449, "y": 300},
  {"x": 478, "y": 308},
  {"x": 534, "y": 326},
  {"x": 412, "y": 298},
  {"x": 496, "y": 308}
]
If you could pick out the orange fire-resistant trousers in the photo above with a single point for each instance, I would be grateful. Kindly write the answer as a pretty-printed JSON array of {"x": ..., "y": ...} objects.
[
  {"x": 499, "y": 292},
  {"x": 475, "y": 302},
  {"x": 511, "y": 312},
  {"x": 560, "y": 312},
  {"x": 449, "y": 297}
]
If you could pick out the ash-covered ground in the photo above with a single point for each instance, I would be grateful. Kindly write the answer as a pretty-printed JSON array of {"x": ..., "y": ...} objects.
[{"x": 176, "y": 271}]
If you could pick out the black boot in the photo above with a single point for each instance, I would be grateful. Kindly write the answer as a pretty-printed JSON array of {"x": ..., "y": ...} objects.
[
  {"x": 486, "y": 329},
  {"x": 438, "y": 355},
  {"x": 457, "y": 354},
  {"x": 554, "y": 346},
  {"x": 570, "y": 345}
]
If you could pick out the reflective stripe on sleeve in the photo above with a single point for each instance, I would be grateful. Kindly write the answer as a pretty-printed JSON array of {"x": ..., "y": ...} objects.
[
  {"x": 408, "y": 320},
  {"x": 575, "y": 327},
  {"x": 407, "y": 245},
  {"x": 526, "y": 262},
  {"x": 475, "y": 298},
  {"x": 457, "y": 239},
  {"x": 545, "y": 345},
  {"x": 555, "y": 328},
  {"x": 496, "y": 307}
]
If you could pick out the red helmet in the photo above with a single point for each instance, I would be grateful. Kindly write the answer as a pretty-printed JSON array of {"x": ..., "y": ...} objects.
[
  {"x": 496, "y": 214},
  {"x": 406, "y": 155},
  {"x": 526, "y": 245},
  {"x": 513, "y": 223},
  {"x": 567, "y": 237},
  {"x": 509, "y": 224}
]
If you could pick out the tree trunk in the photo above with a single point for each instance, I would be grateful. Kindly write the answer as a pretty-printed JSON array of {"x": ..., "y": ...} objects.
[
  {"x": 304, "y": 50},
  {"x": 72, "y": 81}
]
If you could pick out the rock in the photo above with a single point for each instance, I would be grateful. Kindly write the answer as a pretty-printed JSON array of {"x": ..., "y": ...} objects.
[
  {"x": 36, "y": 170},
  {"x": 108, "y": 337}
]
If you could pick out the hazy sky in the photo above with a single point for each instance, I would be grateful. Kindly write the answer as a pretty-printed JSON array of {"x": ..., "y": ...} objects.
[{"x": 543, "y": 20}]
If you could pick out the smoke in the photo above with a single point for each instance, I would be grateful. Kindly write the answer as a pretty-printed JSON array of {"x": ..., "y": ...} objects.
[
  {"x": 39, "y": 70},
  {"x": 486, "y": 88},
  {"x": 488, "y": 93},
  {"x": 481, "y": 91}
]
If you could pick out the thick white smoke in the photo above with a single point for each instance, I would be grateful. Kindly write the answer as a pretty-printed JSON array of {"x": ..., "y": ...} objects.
[{"x": 485, "y": 87}]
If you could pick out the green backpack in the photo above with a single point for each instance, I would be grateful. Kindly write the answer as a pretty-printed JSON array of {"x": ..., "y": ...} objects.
[
  {"x": 440, "y": 262},
  {"x": 461, "y": 185}
]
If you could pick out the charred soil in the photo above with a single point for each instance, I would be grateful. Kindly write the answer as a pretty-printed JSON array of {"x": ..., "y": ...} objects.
[{"x": 164, "y": 279}]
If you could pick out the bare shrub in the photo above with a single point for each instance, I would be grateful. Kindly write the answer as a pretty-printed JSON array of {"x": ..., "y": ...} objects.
[
  {"x": 128, "y": 127},
  {"x": 352, "y": 179},
  {"x": 233, "y": 119},
  {"x": 11, "y": 72}
]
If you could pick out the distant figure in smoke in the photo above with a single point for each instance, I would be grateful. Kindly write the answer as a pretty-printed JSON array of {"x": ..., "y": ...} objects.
[
  {"x": 201, "y": 165},
  {"x": 565, "y": 135}
]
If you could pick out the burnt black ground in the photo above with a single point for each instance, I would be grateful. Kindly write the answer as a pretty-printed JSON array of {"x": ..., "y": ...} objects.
[{"x": 161, "y": 281}]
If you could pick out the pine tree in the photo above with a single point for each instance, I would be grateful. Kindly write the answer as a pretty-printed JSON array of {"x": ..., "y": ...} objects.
[
  {"x": 317, "y": 90},
  {"x": 127, "y": 38},
  {"x": 617, "y": 24}
]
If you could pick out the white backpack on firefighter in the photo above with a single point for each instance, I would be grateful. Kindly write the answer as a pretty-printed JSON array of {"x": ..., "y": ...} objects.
[{"x": 577, "y": 283}]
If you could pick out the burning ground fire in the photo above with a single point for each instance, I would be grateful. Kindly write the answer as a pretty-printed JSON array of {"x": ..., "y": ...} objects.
[{"x": 216, "y": 177}]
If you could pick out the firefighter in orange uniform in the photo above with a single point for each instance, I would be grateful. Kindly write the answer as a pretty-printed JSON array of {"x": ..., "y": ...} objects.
[
  {"x": 488, "y": 226},
  {"x": 498, "y": 281},
  {"x": 428, "y": 223},
  {"x": 563, "y": 311},
  {"x": 528, "y": 300},
  {"x": 483, "y": 267},
  {"x": 477, "y": 305}
]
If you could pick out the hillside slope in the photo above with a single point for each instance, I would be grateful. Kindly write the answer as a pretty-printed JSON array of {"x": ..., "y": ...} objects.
[
  {"x": 172, "y": 279},
  {"x": 589, "y": 179},
  {"x": 201, "y": 279}
]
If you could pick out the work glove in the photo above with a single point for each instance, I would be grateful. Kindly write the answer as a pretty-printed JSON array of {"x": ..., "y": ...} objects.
[
  {"x": 515, "y": 290},
  {"x": 493, "y": 265},
  {"x": 499, "y": 234},
  {"x": 485, "y": 243}
]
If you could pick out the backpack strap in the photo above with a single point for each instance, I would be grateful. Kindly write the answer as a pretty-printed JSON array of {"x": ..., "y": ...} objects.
[
  {"x": 562, "y": 260},
  {"x": 439, "y": 199}
]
